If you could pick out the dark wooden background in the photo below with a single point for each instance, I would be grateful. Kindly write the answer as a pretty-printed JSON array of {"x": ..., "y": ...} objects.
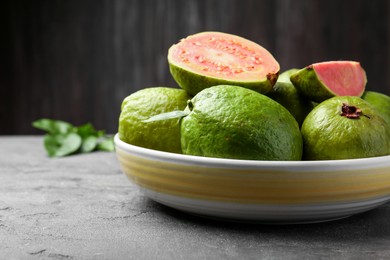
[{"x": 77, "y": 60}]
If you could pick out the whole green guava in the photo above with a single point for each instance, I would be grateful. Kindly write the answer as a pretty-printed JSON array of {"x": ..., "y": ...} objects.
[
  {"x": 344, "y": 127},
  {"x": 233, "y": 122},
  {"x": 138, "y": 107},
  {"x": 380, "y": 102}
]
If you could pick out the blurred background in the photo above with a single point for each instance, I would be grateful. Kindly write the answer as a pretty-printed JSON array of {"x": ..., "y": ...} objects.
[{"x": 77, "y": 60}]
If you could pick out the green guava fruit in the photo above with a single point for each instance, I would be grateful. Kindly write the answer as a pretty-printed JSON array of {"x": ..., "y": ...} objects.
[
  {"x": 207, "y": 59},
  {"x": 344, "y": 127},
  {"x": 285, "y": 76},
  {"x": 324, "y": 80},
  {"x": 233, "y": 122},
  {"x": 288, "y": 96},
  {"x": 380, "y": 102},
  {"x": 140, "y": 106}
]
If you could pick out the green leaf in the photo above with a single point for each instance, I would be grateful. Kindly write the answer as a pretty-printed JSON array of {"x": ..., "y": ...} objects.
[
  {"x": 168, "y": 115},
  {"x": 53, "y": 126},
  {"x": 63, "y": 138},
  {"x": 62, "y": 144},
  {"x": 86, "y": 130},
  {"x": 100, "y": 133},
  {"x": 89, "y": 144},
  {"x": 106, "y": 144}
]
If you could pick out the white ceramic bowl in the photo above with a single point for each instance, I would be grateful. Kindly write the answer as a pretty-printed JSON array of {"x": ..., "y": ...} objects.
[{"x": 258, "y": 191}]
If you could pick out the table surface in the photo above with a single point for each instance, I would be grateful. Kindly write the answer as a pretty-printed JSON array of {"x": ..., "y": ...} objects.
[{"x": 83, "y": 207}]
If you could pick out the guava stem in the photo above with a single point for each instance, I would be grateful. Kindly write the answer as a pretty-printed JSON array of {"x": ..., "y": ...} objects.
[
  {"x": 350, "y": 111},
  {"x": 272, "y": 78},
  {"x": 190, "y": 105}
]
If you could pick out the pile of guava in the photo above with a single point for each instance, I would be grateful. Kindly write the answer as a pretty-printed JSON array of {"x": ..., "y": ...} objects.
[{"x": 234, "y": 103}]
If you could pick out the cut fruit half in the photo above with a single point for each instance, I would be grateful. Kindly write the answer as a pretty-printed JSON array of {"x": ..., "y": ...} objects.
[
  {"x": 212, "y": 58},
  {"x": 324, "y": 80}
]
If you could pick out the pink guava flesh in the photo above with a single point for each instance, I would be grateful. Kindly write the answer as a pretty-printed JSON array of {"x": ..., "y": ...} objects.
[
  {"x": 343, "y": 78},
  {"x": 224, "y": 55}
]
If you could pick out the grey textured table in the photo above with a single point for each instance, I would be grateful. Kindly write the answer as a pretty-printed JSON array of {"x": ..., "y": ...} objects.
[{"x": 83, "y": 207}]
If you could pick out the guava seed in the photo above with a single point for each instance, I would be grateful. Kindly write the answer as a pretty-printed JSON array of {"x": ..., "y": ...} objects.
[{"x": 350, "y": 111}]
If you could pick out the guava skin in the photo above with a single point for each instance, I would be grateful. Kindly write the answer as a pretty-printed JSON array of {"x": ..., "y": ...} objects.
[
  {"x": 288, "y": 96},
  {"x": 193, "y": 83},
  {"x": 238, "y": 123},
  {"x": 380, "y": 102},
  {"x": 285, "y": 75},
  {"x": 308, "y": 84},
  {"x": 332, "y": 133},
  {"x": 161, "y": 135}
]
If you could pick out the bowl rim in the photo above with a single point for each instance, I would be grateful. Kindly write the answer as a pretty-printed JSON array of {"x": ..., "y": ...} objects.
[{"x": 360, "y": 163}]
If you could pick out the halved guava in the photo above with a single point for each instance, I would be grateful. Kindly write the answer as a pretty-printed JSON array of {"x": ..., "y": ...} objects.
[
  {"x": 324, "y": 80},
  {"x": 213, "y": 58}
]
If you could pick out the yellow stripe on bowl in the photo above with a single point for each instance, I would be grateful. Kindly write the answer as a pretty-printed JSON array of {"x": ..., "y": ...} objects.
[{"x": 268, "y": 185}]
